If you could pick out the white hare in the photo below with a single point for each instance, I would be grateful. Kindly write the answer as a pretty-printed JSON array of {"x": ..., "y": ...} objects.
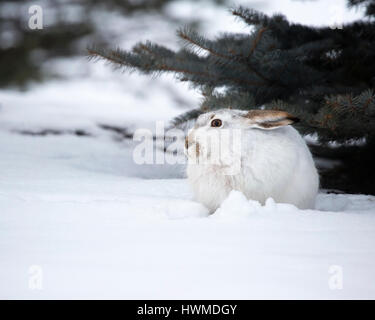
[{"x": 256, "y": 152}]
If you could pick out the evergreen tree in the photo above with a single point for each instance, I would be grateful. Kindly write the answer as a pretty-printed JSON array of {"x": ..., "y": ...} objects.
[{"x": 324, "y": 76}]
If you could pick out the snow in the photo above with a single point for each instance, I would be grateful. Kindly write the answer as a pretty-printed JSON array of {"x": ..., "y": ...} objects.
[
  {"x": 83, "y": 103},
  {"x": 81, "y": 210},
  {"x": 100, "y": 226}
]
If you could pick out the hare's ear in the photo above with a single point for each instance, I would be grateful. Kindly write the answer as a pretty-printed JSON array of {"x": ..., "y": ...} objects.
[{"x": 269, "y": 119}]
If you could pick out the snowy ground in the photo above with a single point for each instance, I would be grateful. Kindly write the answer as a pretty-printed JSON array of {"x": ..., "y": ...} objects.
[
  {"x": 75, "y": 207},
  {"x": 99, "y": 226}
]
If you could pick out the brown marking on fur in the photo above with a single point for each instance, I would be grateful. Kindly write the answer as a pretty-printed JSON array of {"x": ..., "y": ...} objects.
[
  {"x": 197, "y": 150},
  {"x": 189, "y": 141},
  {"x": 271, "y": 118},
  {"x": 186, "y": 142}
]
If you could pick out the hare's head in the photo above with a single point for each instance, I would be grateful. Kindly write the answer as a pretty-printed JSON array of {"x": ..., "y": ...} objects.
[{"x": 217, "y": 129}]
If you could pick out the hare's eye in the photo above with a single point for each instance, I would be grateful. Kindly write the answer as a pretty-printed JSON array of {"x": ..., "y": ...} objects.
[{"x": 216, "y": 123}]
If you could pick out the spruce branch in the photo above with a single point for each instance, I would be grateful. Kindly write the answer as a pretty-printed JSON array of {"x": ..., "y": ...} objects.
[
  {"x": 146, "y": 58},
  {"x": 185, "y": 117},
  {"x": 109, "y": 55},
  {"x": 251, "y": 16},
  {"x": 256, "y": 41},
  {"x": 193, "y": 38}
]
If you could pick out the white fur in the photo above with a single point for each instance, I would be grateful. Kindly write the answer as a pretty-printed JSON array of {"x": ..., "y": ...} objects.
[{"x": 274, "y": 163}]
